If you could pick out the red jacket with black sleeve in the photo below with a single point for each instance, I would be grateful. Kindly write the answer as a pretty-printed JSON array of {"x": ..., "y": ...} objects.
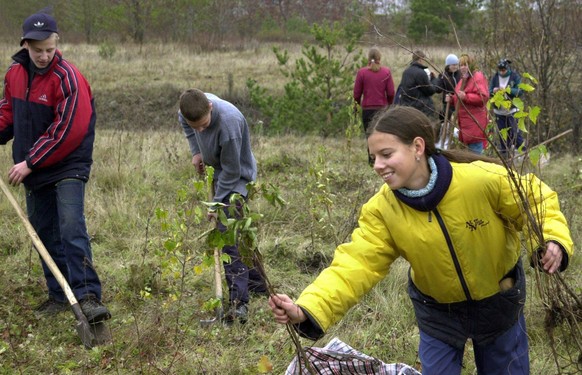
[{"x": 51, "y": 117}]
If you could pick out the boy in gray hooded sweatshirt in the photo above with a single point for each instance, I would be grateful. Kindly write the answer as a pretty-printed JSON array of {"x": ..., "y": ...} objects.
[{"x": 219, "y": 136}]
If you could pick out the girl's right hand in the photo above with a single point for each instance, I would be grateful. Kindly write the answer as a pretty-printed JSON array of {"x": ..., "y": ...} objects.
[{"x": 285, "y": 310}]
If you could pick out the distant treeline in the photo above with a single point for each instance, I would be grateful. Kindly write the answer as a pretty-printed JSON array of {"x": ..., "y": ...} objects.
[
  {"x": 541, "y": 37},
  {"x": 214, "y": 23}
]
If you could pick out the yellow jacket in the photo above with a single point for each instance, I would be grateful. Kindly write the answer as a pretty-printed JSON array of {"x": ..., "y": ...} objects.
[{"x": 459, "y": 250}]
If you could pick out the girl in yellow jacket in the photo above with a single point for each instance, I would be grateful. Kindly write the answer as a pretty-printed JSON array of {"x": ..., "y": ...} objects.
[{"x": 455, "y": 217}]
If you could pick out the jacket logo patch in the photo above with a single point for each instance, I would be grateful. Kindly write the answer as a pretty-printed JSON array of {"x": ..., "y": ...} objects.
[
  {"x": 475, "y": 224},
  {"x": 43, "y": 98}
]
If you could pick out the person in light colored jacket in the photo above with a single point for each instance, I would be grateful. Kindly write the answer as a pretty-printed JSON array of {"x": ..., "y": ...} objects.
[{"x": 456, "y": 218}]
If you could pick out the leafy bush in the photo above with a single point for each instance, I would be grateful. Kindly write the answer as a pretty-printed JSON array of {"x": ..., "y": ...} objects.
[
  {"x": 317, "y": 97},
  {"x": 107, "y": 50}
]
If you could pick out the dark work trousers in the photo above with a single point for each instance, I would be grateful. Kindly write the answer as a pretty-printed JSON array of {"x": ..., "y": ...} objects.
[
  {"x": 367, "y": 116},
  {"x": 57, "y": 214},
  {"x": 239, "y": 277},
  {"x": 514, "y": 137}
]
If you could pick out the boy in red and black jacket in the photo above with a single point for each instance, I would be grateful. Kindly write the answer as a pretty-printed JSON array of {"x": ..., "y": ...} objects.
[{"x": 48, "y": 111}]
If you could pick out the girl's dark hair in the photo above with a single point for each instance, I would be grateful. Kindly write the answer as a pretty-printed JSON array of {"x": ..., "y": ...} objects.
[{"x": 407, "y": 123}]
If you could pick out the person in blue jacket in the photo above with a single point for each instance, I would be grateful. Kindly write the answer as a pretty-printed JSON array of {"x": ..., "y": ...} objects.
[
  {"x": 49, "y": 112},
  {"x": 511, "y": 138}
]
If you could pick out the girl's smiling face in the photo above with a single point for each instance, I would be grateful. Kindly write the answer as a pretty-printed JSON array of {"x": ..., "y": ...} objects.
[{"x": 398, "y": 164}]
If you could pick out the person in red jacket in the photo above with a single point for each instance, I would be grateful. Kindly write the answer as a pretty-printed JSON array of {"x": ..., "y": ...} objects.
[
  {"x": 48, "y": 110},
  {"x": 470, "y": 102},
  {"x": 373, "y": 88}
]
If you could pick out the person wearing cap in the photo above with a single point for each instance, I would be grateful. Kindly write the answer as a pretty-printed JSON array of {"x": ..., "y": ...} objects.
[
  {"x": 373, "y": 88},
  {"x": 511, "y": 138},
  {"x": 48, "y": 111},
  {"x": 447, "y": 81},
  {"x": 417, "y": 87}
]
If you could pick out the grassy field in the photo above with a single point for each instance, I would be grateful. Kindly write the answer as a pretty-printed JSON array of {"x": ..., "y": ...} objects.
[{"x": 157, "y": 297}]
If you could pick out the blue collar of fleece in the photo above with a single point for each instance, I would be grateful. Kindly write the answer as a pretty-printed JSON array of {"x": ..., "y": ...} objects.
[{"x": 429, "y": 201}]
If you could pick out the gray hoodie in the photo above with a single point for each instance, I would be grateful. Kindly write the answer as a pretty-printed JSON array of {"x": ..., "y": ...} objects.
[{"x": 226, "y": 146}]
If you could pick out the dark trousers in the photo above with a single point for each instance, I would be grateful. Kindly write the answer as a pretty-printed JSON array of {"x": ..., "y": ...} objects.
[
  {"x": 57, "y": 214},
  {"x": 240, "y": 278},
  {"x": 511, "y": 137},
  {"x": 367, "y": 116}
]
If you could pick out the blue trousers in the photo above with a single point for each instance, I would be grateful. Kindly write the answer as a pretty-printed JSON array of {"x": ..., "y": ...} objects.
[
  {"x": 476, "y": 147},
  {"x": 240, "y": 278},
  {"x": 56, "y": 212},
  {"x": 507, "y": 355}
]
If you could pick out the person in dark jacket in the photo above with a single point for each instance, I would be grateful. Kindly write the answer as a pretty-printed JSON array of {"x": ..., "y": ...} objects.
[
  {"x": 48, "y": 110},
  {"x": 511, "y": 138},
  {"x": 447, "y": 81},
  {"x": 418, "y": 85}
]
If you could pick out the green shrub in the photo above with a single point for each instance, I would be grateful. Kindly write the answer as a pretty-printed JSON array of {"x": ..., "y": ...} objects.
[
  {"x": 316, "y": 99},
  {"x": 107, "y": 50}
]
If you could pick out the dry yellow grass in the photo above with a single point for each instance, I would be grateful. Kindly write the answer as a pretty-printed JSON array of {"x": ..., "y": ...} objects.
[
  {"x": 137, "y": 172},
  {"x": 182, "y": 66}
]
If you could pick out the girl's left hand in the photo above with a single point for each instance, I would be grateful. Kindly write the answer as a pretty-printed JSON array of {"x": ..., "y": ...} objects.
[{"x": 552, "y": 258}]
